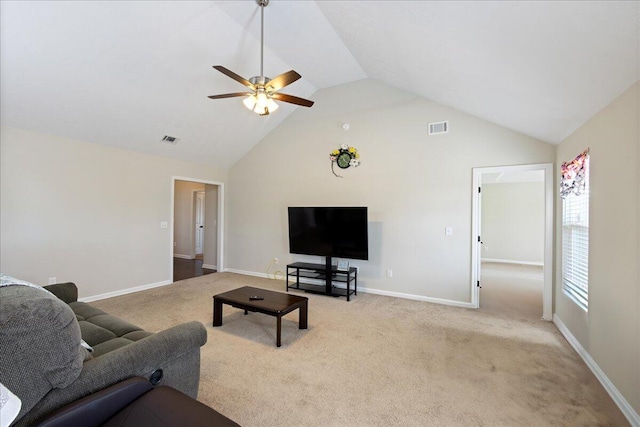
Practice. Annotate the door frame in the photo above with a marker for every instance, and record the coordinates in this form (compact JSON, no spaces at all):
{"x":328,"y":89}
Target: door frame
{"x":547,"y":291}
{"x":220,"y":244}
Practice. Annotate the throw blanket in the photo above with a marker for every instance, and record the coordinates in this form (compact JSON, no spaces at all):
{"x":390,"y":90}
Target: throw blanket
{"x":10,"y":405}
{"x":6,"y":280}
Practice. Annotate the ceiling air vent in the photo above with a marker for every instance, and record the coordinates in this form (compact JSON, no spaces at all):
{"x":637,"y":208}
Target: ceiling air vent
{"x":438,"y":127}
{"x":170,"y":139}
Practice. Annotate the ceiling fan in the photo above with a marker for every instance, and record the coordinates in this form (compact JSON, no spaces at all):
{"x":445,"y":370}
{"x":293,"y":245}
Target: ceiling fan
{"x":263,"y":89}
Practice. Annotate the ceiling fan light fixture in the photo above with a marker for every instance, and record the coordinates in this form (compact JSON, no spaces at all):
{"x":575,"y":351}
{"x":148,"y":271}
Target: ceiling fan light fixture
{"x":250,"y":102}
{"x":271,"y":105}
{"x":260,"y":103}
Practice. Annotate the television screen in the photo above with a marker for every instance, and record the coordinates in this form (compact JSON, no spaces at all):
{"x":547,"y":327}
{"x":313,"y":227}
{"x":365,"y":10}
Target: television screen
{"x":340,"y":232}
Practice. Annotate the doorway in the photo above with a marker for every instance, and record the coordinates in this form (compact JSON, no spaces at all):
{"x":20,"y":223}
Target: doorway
{"x":512,"y":257}
{"x":197,"y":221}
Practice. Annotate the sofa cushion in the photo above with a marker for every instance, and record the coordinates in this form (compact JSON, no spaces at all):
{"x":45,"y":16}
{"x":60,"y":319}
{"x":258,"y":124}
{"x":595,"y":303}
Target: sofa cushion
{"x":113,"y":324}
{"x":40,"y":341}
{"x":94,"y":334}
{"x":137,"y":335}
{"x":103,"y":331}
{"x":85,"y":310}
{"x":108,"y":346}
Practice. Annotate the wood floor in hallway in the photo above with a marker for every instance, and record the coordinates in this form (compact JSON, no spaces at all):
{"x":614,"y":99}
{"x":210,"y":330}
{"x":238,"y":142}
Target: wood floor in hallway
{"x":188,"y":268}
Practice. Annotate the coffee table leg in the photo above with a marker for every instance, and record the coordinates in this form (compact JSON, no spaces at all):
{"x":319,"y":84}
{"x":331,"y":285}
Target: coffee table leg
{"x":302,"y":321}
{"x":217,"y":312}
{"x":279,"y":335}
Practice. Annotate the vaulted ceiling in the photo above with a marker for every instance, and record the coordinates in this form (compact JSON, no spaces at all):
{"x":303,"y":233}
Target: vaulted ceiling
{"x":127,"y":73}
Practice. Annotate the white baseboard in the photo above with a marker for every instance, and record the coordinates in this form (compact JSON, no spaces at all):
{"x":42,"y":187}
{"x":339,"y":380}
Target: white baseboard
{"x":210,"y":266}
{"x":510,"y":261}
{"x":246,"y":273}
{"x":125,"y":291}
{"x":417,"y":297}
{"x":622,"y":403}
{"x":372,"y":291}
{"x":183,"y":256}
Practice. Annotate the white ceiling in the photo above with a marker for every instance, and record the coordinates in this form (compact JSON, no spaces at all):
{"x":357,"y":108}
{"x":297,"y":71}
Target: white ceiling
{"x":127,"y":73}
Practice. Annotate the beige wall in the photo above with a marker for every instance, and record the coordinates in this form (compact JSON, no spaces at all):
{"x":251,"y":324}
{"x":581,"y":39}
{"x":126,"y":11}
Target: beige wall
{"x":610,"y":331}
{"x":513,"y":221}
{"x":211,"y":225}
{"x":183,"y":217}
{"x":86,"y":213}
{"x":414,"y":185}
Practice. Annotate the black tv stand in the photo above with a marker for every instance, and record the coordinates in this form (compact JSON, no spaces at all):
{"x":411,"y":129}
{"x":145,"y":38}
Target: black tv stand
{"x":327,"y":273}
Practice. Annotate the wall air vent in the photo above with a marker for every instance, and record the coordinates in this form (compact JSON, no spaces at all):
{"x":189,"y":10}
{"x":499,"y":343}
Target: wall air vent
{"x":170,"y":139}
{"x":438,"y":127}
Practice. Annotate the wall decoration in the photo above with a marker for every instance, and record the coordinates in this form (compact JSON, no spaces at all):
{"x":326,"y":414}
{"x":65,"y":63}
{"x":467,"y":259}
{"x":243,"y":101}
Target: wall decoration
{"x":344,"y":157}
{"x":573,"y":173}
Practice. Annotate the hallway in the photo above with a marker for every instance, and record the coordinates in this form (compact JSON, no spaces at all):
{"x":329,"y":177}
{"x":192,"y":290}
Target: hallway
{"x":188,"y":268}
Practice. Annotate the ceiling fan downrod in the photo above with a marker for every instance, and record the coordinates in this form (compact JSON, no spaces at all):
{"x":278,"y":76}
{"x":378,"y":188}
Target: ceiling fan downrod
{"x":262,"y":4}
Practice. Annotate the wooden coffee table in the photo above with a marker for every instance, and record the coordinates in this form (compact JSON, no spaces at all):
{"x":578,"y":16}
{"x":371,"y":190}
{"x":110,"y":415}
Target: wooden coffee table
{"x":274,"y":304}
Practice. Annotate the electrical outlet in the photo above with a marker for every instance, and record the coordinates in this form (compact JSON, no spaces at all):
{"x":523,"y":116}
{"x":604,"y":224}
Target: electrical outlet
{"x":389,"y":273}
{"x":53,"y":280}
{"x":175,"y":244}
{"x":275,"y":260}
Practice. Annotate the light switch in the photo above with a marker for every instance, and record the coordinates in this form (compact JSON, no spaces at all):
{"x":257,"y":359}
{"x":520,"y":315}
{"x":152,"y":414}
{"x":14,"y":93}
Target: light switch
{"x":448,"y":231}
{"x":164,"y":224}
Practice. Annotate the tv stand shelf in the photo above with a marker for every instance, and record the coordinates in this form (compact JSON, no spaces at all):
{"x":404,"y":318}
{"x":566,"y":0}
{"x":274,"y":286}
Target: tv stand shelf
{"x":307,"y":270}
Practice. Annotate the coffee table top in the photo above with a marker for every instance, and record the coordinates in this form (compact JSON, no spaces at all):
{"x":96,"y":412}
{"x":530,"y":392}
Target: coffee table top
{"x":276,"y":302}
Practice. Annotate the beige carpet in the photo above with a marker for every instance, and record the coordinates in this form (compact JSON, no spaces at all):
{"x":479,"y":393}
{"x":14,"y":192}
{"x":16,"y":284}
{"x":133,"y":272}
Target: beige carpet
{"x":512,"y":290}
{"x":377,"y":361}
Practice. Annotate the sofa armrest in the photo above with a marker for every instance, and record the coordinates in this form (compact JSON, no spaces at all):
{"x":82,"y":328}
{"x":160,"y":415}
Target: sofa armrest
{"x":67,"y":292}
{"x":175,"y":350}
{"x":96,"y":408}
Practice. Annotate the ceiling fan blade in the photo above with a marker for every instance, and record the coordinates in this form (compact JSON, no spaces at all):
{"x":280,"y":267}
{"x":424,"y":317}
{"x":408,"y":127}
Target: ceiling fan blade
{"x":292,"y":99}
{"x":283,"y":80}
{"x":234,"y":76}
{"x":230,"y":95}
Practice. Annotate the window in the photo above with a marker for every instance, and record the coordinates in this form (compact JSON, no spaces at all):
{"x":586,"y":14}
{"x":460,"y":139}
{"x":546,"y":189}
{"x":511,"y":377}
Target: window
{"x":575,"y":229}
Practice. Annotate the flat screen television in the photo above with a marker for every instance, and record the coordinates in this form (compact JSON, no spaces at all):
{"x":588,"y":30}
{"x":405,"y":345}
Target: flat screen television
{"x":339,"y":232}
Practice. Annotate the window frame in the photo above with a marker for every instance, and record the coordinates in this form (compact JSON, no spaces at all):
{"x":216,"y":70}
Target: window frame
{"x":575,"y":244}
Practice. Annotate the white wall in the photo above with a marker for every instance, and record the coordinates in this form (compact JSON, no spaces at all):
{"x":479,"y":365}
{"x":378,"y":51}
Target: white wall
{"x":211,"y":225}
{"x":414,"y":185}
{"x":513,"y":221}
{"x":86,"y":213}
{"x":183,"y":218}
{"x":610,"y":331}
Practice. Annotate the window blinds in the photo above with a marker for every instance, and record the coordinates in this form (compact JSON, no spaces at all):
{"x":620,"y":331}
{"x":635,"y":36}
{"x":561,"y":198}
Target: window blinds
{"x":575,"y":240}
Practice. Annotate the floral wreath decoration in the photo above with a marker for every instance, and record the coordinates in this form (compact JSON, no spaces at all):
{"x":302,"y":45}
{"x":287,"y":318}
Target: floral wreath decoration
{"x":344,"y":157}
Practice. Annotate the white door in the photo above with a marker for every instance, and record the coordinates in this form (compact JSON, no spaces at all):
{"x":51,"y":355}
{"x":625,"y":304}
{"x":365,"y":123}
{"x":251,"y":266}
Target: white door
{"x":479,"y":244}
{"x":199,"y":213}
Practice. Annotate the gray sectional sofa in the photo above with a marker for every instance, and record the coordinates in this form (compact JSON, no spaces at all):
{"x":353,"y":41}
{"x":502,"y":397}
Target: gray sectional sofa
{"x":44,"y":362}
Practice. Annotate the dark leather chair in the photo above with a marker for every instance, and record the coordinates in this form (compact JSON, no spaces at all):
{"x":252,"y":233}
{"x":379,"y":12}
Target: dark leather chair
{"x":135,"y":402}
